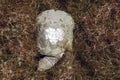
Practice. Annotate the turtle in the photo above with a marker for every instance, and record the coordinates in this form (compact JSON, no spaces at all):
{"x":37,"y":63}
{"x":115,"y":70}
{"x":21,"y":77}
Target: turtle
{"x":54,"y":36}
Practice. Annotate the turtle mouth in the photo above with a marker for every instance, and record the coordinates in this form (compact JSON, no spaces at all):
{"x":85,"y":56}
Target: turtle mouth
{"x":40,"y":56}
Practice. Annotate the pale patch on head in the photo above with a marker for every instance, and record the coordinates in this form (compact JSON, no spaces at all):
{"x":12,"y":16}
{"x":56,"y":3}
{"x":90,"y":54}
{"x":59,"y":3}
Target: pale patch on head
{"x":54,"y":35}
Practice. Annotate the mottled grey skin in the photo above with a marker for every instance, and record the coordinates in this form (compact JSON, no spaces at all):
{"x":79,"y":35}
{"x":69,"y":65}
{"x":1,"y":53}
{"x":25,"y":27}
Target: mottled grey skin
{"x":55,"y":35}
